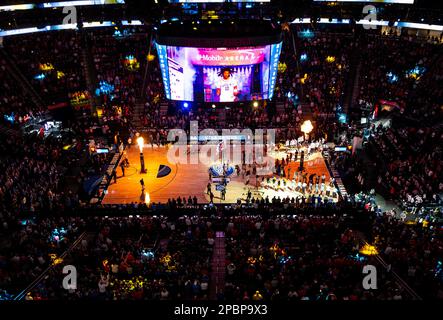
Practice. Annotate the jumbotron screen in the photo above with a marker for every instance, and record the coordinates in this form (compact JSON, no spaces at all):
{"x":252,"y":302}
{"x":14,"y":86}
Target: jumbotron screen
{"x":219,"y":74}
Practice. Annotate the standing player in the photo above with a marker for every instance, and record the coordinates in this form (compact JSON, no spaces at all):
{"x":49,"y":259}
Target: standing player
{"x":227,"y":88}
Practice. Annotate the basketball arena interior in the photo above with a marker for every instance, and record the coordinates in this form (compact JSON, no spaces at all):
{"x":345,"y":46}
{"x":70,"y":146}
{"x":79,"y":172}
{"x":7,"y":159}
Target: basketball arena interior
{"x":232,"y":152}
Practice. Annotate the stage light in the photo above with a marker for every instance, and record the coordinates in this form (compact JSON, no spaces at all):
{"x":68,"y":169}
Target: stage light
{"x":46,"y":67}
{"x":255,"y":104}
{"x":105,"y":88}
{"x":369,"y":250}
{"x":330,"y":59}
{"x":307,"y":127}
{"x":140,"y":142}
{"x":60,"y":74}
{"x":40,"y":76}
{"x":147,"y":198}
{"x":213,"y":106}
{"x":185,"y":105}
{"x":342,"y":118}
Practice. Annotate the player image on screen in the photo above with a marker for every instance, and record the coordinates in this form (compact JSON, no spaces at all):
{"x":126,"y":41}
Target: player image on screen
{"x":227,"y":87}
{"x":219,"y":74}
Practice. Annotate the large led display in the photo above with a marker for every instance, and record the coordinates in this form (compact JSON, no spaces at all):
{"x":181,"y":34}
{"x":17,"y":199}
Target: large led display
{"x":219,"y":74}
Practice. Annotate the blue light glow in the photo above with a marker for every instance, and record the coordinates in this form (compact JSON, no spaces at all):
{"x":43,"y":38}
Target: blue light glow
{"x":284,"y":260}
{"x":40,"y":76}
{"x":392,"y":78}
{"x":147,"y":254}
{"x":439,"y":271}
{"x":357,"y":257}
{"x":117,"y":34}
{"x":416,"y":72}
{"x":57,"y":235}
{"x":5,"y":296}
{"x":306,"y":34}
{"x":10,"y":118}
{"x":104,"y":88}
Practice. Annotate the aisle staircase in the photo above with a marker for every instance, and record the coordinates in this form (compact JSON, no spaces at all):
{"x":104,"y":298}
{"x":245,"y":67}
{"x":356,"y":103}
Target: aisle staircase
{"x":164,"y":106}
{"x":355,"y":89}
{"x":89,"y":70}
{"x":339,"y":182}
{"x":280,"y":107}
{"x":306,"y":111}
{"x":336,"y":175}
{"x":218,"y":266}
{"x":352,"y":85}
{"x":137,"y":116}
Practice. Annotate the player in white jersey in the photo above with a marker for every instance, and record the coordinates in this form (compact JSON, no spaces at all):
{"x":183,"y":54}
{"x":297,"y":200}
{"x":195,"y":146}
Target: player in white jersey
{"x":227,"y":87}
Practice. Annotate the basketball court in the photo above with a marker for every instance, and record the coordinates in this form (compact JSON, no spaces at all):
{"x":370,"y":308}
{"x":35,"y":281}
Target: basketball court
{"x":186,"y":180}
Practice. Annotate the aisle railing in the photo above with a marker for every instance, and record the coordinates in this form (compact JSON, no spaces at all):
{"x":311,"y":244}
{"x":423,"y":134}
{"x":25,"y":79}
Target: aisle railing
{"x":42,"y":276}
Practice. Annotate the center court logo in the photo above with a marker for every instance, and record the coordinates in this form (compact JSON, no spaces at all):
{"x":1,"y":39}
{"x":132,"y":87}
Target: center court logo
{"x":233,"y":147}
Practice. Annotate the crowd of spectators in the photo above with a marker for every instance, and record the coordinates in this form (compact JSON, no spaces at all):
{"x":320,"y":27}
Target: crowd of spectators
{"x":12,"y":101}
{"x":31,"y":175}
{"x":152,"y":258}
{"x":311,"y":253}
{"x":407,"y":73}
{"x":53,"y":67}
{"x":412,"y":250}
{"x":297,"y":258}
{"x":119,"y":63}
{"x":411,"y":163}
{"x":308,"y":255}
{"x":30,"y":245}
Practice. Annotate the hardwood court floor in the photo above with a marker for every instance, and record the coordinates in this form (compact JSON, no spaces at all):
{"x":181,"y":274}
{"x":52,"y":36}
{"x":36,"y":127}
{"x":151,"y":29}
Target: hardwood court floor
{"x":187,"y":180}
